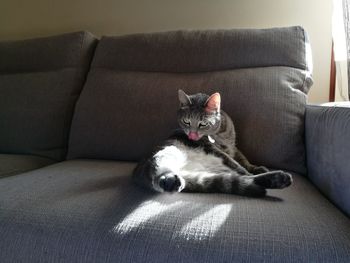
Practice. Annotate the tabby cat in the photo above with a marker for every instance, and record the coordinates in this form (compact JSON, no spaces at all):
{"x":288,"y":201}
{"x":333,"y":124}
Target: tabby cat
{"x":202,"y":156}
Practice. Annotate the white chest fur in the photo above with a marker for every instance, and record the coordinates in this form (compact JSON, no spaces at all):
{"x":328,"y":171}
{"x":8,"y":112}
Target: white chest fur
{"x":185,"y":161}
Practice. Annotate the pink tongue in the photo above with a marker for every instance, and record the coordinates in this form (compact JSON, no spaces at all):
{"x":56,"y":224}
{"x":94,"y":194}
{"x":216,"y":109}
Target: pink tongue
{"x":193,"y":136}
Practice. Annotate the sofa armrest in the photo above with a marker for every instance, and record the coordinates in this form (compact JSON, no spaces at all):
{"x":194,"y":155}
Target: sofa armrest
{"x":328,"y":151}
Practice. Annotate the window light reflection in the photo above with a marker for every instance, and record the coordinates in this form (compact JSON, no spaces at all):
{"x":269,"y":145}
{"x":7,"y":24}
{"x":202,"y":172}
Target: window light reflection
{"x":207,"y":224}
{"x":139,"y":217}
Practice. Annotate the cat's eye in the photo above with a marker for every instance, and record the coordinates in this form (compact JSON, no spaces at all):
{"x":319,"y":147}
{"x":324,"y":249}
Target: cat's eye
{"x":186,"y":122}
{"x":202,"y":124}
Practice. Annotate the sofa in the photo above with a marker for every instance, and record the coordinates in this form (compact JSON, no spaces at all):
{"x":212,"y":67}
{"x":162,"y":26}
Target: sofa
{"x":77,"y":113}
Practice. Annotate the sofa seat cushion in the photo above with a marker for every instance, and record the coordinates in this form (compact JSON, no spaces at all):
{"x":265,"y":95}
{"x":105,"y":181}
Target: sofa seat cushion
{"x":89,"y":211}
{"x":11,"y":164}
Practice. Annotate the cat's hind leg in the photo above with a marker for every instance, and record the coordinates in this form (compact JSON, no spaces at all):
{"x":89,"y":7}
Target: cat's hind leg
{"x":160,"y":171}
{"x":234,"y":183}
{"x":168,"y":163}
{"x":228,"y":182}
{"x":273,"y":179}
{"x":170,"y":182}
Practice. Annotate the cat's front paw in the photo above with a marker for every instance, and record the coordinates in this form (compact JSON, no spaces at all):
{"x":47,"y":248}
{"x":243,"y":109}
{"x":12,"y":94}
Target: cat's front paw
{"x":170,"y":182}
{"x":259,"y":170}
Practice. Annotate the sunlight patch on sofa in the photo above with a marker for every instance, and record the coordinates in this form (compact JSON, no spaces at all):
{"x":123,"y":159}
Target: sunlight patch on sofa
{"x":142,"y":214}
{"x":205,"y":225}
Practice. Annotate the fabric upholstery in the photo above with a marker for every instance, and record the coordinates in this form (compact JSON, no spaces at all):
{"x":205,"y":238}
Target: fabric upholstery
{"x":126,"y":108}
{"x":88,"y":211}
{"x":328,"y":151}
{"x":202,"y":51}
{"x":11,"y":164}
{"x":40,"y":81}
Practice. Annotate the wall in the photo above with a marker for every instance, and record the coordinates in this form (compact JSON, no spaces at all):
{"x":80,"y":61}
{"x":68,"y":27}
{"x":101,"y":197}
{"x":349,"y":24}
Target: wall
{"x":25,"y":19}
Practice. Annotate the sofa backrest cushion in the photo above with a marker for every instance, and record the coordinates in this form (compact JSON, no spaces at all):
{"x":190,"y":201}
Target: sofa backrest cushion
{"x":40,"y":81}
{"x":129,"y":102}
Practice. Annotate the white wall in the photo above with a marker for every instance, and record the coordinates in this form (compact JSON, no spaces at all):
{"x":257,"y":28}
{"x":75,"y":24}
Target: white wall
{"x":25,"y":19}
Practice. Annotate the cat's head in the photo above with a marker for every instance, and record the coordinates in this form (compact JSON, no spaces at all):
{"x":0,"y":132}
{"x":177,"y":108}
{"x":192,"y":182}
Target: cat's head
{"x":199,"y":114}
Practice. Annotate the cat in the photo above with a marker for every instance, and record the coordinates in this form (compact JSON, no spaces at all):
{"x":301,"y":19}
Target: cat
{"x":202,"y":155}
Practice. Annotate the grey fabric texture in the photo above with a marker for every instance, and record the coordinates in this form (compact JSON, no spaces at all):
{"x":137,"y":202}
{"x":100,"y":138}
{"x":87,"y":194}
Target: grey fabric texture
{"x":202,"y":51}
{"x":328,"y":151}
{"x":11,"y":164}
{"x":71,"y":50}
{"x":40,"y":81}
{"x":89,"y":211}
{"x":124,"y":111}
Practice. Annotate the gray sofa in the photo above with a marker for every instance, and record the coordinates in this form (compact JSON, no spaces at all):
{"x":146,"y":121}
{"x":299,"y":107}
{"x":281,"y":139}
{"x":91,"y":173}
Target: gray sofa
{"x":71,"y":133}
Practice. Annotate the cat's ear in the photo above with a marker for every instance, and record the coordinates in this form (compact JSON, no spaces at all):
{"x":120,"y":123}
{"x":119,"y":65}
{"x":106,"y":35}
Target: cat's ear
{"x":184,"y":99}
{"x":213,"y":103}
